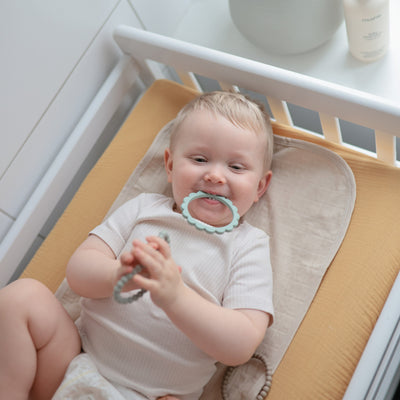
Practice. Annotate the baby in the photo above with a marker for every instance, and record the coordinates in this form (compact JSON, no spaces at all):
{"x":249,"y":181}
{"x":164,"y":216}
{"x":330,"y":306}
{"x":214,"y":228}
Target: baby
{"x":209,"y":295}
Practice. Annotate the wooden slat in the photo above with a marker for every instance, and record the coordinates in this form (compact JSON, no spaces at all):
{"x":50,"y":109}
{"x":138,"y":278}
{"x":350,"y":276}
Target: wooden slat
{"x":189,"y":79}
{"x":280,"y":111}
{"x":330,"y":128}
{"x":385,"y":147}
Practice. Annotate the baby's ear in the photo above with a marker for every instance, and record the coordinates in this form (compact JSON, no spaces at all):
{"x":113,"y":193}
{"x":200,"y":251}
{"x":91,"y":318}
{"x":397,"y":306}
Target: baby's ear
{"x":168,"y":163}
{"x":263,"y":185}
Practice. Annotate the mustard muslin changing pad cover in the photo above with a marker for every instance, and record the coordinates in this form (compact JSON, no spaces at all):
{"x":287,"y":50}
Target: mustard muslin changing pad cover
{"x":306,"y":212}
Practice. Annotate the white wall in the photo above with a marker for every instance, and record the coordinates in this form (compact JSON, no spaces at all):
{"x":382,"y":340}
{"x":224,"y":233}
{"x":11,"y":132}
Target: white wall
{"x":44,"y":47}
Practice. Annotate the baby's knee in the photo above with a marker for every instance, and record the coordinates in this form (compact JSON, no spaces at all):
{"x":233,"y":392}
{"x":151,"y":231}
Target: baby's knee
{"x":24,"y":292}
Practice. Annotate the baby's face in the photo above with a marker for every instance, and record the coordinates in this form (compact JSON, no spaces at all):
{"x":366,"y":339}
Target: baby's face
{"x":215,"y":156}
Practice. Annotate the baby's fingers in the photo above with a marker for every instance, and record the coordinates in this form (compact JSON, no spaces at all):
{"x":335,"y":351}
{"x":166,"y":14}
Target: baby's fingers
{"x":149,"y":258}
{"x":160,"y":244}
{"x":126,"y":258}
{"x":144,"y":282}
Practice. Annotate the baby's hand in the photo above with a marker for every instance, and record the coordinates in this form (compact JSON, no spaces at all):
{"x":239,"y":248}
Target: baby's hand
{"x":164,"y":280}
{"x":127,"y":264}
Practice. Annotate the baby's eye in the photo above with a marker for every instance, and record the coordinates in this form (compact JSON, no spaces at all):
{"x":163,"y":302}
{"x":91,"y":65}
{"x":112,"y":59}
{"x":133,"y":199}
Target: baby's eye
{"x":236,"y":167}
{"x":199,"y":159}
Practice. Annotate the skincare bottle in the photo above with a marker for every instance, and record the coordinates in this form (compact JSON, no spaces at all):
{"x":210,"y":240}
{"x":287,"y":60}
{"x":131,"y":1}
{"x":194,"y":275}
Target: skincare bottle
{"x":367,"y":25}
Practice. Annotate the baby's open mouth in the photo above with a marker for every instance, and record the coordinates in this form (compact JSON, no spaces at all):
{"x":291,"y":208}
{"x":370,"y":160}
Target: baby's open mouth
{"x":213,"y":196}
{"x":211,"y":200}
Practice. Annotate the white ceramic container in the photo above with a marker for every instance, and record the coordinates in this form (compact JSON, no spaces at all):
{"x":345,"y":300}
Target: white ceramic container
{"x":287,"y":26}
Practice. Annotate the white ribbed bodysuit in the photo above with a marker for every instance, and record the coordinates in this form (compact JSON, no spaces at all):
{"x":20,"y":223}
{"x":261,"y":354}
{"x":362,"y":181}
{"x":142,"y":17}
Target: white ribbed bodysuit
{"x":136,"y":345}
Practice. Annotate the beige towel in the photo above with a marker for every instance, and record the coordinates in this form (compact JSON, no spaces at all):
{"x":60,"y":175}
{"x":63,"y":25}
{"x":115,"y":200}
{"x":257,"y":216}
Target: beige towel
{"x":306,"y":212}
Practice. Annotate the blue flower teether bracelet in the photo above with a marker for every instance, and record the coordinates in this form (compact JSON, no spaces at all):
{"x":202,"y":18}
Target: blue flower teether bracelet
{"x":201,"y":225}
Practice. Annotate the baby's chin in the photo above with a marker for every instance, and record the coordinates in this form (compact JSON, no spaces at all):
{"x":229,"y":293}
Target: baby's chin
{"x":211,"y":217}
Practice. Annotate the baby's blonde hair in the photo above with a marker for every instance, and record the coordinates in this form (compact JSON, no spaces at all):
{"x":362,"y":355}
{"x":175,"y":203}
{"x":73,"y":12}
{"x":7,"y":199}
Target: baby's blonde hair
{"x":237,"y":108}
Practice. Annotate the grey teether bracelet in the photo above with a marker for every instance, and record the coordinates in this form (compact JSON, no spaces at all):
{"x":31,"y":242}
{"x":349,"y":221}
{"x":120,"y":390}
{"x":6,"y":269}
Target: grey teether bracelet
{"x":126,"y":278}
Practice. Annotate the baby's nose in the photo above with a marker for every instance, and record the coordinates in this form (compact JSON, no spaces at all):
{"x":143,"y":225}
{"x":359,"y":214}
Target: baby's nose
{"x":215,"y":176}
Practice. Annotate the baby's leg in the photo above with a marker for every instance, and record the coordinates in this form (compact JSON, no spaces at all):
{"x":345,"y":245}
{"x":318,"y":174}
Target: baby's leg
{"x":38,"y":341}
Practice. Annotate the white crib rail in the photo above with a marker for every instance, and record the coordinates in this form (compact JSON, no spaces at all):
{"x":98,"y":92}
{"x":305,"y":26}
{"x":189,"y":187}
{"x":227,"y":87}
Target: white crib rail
{"x":378,"y":371}
{"x":279,"y":86}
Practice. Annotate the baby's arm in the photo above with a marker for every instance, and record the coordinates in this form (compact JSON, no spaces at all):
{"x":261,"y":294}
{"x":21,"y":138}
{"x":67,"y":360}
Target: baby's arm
{"x":229,"y":336}
{"x":93,"y":269}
